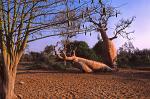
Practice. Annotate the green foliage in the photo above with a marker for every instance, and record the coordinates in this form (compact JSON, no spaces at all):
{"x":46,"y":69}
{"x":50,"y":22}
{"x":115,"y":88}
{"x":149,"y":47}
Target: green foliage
{"x":82,"y":50}
{"x":127,"y":56}
{"x":49,"y":50}
{"x":44,"y":60}
{"x":60,"y":65}
{"x":123,"y":58}
{"x":134,"y":58}
{"x":26,"y":58}
{"x":99,"y":49}
{"x":49,"y":62}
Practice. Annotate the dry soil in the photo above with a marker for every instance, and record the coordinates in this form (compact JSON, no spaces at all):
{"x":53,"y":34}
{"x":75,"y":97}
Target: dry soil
{"x":125,"y":84}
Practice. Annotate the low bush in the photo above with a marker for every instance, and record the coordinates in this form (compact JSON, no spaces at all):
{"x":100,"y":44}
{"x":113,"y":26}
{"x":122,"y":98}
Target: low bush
{"x":134,"y":58}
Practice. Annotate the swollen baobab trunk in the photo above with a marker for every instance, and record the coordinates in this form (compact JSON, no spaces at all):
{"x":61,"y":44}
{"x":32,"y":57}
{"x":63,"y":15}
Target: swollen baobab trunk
{"x":104,"y":13}
{"x":87,"y":65}
{"x":110,"y":49}
{"x":110,"y":53}
{"x":90,"y":65}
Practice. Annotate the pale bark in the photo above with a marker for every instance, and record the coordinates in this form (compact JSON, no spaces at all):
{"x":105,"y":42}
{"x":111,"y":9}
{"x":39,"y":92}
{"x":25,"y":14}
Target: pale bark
{"x":104,"y":13}
{"x":7,"y":81}
{"x":110,"y":49}
{"x":87,"y":65}
{"x":8,"y":72}
{"x":7,"y":86}
{"x":110,"y":53}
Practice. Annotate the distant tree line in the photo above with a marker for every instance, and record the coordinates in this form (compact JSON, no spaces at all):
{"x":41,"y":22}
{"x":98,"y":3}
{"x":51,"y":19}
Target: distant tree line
{"x":48,"y":59}
{"x":127,"y":56}
{"x":134,"y":58}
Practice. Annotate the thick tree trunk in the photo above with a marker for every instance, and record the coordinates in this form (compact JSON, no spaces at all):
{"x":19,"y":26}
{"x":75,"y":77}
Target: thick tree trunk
{"x":90,"y":65}
{"x":8,"y":75}
{"x":87,"y":65}
{"x":110,"y":49}
{"x":110,"y":53}
{"x":7,"y":82}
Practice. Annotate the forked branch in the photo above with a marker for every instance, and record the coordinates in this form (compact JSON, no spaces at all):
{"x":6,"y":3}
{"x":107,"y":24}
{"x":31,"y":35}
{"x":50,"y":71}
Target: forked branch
{"x":121,"y":28}
{"x":87,"y":65}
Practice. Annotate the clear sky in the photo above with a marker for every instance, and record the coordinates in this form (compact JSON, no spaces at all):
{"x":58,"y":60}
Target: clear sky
{"x":128,"y":8}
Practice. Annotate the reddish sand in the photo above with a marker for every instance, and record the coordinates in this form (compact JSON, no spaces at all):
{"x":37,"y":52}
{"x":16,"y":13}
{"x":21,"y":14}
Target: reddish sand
{"x":38,"y":84}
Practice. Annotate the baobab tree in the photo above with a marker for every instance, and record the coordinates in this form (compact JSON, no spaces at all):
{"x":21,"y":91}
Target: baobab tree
{"x":102,"y":14}
{"x":22,"y":21}
{"x":87,"y":65}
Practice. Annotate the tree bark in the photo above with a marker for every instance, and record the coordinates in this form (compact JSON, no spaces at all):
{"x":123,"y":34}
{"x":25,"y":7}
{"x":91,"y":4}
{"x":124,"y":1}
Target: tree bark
{"x":90,"y":65}
{"x":87,"y":65}
{"x":8,"y":75}
{"x":7,"y":82}
{"x":110,"y":52}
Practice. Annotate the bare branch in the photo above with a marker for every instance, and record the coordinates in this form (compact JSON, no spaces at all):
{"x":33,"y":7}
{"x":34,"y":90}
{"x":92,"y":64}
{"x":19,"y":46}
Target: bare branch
{"x":121,"y":27}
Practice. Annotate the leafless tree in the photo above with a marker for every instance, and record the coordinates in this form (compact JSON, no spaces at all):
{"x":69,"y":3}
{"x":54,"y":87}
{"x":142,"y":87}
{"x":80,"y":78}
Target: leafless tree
{"x":100,"y":19}
{"x":23,"y":21}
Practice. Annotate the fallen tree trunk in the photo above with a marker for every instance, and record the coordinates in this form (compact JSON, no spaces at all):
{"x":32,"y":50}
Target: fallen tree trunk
{"x":90,"y":65}
{"x":87,"y":65}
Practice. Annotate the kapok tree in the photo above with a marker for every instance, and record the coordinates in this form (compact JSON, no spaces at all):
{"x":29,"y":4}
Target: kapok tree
{"x":100,"y":18}
{"x":20,"y":20}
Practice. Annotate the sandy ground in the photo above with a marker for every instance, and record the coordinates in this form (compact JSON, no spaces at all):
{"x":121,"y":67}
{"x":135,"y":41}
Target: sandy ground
{"x":125,"y":84}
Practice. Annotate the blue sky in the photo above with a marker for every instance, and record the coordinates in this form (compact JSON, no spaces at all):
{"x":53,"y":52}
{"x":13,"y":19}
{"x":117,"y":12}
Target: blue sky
{"x":128,"y":8}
